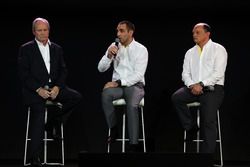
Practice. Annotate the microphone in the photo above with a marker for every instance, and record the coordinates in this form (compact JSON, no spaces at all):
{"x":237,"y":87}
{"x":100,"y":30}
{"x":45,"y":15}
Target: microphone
{"x":209,"y":88}
{"x":117,"y":40}
{"x":46,"y":87}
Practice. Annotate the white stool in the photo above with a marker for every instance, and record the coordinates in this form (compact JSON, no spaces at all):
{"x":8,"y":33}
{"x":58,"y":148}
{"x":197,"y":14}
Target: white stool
{"x":122,"y":102}
{"x":48,"y":103}
{"x":198,"y":140}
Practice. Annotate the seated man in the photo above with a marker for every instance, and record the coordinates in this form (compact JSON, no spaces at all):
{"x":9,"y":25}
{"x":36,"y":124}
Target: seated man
{"x":42,"y":71}
{"x":203,"y":75}
{"x":129,"y":60}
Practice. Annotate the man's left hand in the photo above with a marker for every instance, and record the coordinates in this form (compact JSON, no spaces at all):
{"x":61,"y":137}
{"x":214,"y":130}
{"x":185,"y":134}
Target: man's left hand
{"x":54,"y":92}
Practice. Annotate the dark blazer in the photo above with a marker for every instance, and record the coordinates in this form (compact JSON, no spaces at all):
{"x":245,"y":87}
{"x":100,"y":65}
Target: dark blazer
{"x":33,"y":72}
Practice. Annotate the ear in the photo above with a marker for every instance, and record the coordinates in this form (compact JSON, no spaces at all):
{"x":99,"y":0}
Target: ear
{"x":131,"y":33}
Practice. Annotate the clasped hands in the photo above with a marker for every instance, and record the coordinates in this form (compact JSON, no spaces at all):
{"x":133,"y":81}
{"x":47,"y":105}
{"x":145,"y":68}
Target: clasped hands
{"x":196,"y":89}
{"x":51,"y":93}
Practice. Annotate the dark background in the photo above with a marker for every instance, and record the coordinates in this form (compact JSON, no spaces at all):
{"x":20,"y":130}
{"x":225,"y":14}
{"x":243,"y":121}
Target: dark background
{"x":86,"y":29}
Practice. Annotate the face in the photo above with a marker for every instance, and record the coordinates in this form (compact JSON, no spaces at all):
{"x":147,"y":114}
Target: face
{"x":200,"y":36}
{"x":41,"y":32}
{"x":124,"y":34}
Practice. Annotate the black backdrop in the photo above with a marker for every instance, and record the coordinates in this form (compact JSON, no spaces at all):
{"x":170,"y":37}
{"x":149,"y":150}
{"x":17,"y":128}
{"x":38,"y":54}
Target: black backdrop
{"x":85,"y":30}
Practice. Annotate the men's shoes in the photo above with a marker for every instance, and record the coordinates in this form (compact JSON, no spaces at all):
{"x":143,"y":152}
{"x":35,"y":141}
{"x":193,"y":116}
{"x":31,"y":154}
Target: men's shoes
{"x":191,"y":134}
{"x":35,"y":162}
{"x":113,"y":135}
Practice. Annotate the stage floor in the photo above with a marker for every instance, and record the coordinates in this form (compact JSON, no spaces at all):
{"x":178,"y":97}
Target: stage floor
{"x":86,"y":159}
{"x":75,"y":164}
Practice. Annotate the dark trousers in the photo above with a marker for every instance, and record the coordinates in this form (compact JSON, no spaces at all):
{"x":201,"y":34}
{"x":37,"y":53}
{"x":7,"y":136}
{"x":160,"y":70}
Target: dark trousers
{"x":210,"y":102}
{"x":69,"y":98}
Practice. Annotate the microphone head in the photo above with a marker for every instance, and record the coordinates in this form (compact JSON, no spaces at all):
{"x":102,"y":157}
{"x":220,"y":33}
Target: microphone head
{"x":117,"y":40}
{"x":46,"y":87}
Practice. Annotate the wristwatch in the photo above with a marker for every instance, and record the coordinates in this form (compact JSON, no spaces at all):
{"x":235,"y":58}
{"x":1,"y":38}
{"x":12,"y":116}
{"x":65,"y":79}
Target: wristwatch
{"x":119,"y":82}
{"x":202,"y":84}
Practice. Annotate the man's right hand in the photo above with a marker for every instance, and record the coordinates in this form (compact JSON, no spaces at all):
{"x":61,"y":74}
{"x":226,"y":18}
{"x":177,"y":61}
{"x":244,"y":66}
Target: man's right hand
{"x":43,"y":93}
{"x":112,"y":84}
{"x":112,"y":51}
{"x":196,"y":89}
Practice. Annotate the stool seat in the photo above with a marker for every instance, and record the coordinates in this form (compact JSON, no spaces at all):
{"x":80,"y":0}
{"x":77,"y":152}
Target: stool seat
{"x":120,"y":102}
{"x":53,"y":103}
{"x":194,"y":104}
{"x":123,"y":139}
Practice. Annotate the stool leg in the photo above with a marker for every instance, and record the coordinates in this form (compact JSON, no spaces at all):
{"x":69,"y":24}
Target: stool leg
{"x":143,"y":130}
{"x":184,"y":143}
{"x":198,"y":132}
{"x":45,"y":137}
{"x":62,"y":136}
{"x":26,"y":138}
{"x":109,"y":132}
{"x":123,"y":131}
{"x":220,"y":142}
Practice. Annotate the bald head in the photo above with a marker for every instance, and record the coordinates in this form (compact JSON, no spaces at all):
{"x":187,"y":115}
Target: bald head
{"x":201,"y":34}
{"x":205,"y":26}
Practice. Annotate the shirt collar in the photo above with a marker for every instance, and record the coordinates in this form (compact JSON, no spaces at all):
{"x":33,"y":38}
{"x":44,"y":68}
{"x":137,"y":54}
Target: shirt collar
{"x":41,"y":44}
{"x":131,"y":44}
{"x":206,"y":45}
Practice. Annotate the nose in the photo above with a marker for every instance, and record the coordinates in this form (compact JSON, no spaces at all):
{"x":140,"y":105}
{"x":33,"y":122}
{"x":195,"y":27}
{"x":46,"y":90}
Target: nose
{"x":118,"y":34}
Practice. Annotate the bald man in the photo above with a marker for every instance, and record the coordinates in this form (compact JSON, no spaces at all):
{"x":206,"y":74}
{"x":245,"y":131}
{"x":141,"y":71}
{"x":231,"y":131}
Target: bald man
{"x":203,"y":76}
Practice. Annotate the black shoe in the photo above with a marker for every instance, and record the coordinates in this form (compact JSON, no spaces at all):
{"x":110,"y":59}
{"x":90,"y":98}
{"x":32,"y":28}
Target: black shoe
{"x":113,"y":135}
{"x":191,"y":134}
{"x":35,"y":162}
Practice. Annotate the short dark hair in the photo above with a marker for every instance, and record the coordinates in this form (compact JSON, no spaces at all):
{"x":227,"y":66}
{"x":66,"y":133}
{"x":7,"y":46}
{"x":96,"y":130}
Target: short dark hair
{"x":207,"y":27}
{"x":129,"y":25}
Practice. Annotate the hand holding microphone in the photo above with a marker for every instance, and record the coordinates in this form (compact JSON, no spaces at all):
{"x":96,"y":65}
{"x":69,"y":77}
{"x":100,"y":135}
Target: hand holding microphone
{"x":112,"y":51}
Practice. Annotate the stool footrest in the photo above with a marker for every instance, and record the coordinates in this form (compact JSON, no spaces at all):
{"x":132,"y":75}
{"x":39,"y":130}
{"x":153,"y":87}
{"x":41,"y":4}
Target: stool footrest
{"x":128,"y":139}
{"x":46,"y":139}
{"x":50,"y":163}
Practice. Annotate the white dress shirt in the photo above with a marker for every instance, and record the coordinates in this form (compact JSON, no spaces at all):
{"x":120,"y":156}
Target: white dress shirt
{"x":44,"y":49}
{"x":129,"y":64}
{"x":208,"y":67}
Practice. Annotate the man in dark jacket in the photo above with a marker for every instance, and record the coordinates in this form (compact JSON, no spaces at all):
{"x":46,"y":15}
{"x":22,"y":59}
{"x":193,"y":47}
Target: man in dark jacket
{"x":43,"y":72}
